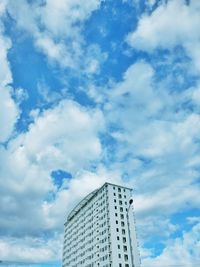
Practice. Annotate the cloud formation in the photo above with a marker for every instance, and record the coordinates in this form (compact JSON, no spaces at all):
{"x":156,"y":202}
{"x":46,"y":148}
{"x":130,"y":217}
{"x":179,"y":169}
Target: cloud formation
{"x":164,"y":29}
{"x":135,"y":122}
{"x":8,"y":109}
{"x":56,"y":28}
{"x":184,"y":250}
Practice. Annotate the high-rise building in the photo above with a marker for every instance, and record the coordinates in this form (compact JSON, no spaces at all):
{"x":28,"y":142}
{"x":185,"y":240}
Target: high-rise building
{"x":100,"y":230}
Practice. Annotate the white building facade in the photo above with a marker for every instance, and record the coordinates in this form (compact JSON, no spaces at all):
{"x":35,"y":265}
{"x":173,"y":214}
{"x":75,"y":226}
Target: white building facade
{"x":100,"y":230}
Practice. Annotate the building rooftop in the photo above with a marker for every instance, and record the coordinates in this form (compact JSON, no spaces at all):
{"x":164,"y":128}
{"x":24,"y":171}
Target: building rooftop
{"x":83,"y":202}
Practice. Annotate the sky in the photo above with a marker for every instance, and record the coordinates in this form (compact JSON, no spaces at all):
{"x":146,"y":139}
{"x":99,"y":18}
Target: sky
{"x":99,"y":91}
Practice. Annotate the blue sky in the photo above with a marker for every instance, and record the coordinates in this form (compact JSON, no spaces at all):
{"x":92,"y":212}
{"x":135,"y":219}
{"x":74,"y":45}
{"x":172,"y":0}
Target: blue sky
{"x":99,"y":91}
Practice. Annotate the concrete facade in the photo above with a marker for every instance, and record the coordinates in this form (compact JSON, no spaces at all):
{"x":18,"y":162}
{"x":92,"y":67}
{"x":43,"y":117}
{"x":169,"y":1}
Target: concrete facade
{"x":100,"y":230}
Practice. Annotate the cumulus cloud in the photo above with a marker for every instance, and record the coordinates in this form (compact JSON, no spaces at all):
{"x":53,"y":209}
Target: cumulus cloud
{"x":156,"y":137}
{"x":8,"y":114}
{"x":183,"y":250}
{"x":66,"y":13}
{"x":30,"y":250}
{"x":68,"y":137}
{"x":57,"y":30}
{"x":136,"y":93}
{"x":5,"y":75}
{"x":74,"y":190}
{"x":36,"y":244}
{"x":154,"y":229}
{"x":156,"y":145}
{"x":164,"y":29}
{"x":169,"y":200}
{"x":166,"y":139}
{"x":65,"y":137}
{"x":8,"y":109}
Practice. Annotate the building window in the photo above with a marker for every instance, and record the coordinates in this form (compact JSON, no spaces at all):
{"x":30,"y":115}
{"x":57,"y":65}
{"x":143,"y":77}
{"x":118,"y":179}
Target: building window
{"x":119,"y":256}
{"x":119,"y":189}
{"x":118,"y":246}
{"x":120,"y":196}
{"x":117,"y":229}
{"x":124,"y":239}
{"x":123,"y":231}
{"x":122,"y":216}
{"x":121,"y":209}
{"x":116,"y":222}
{"x":122,"y":223}
{"x":115,"y":207}
{"x":117,"y":237}
{"x":125,"y":248}
{"x":126,"y":257}
{"x":120,"y":202}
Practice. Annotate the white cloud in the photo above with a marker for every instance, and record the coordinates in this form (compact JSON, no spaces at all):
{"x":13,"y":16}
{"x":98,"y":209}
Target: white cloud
{"x":164,"y":29}
{"x":135,"y":91}
{"x":166,"y":201}
{"x":193,"y":220}
{"x":157,"y":149}
{"x":67,"y":137}
{"x":64,"y":137}
{"x":148,"y":4}
{"x":192,"y":95}
{"x":20,"y":95}
{"x":5,"y":74}
{"x":8,"y":114}
{"x":152,"y":228}
{"x":56,"y":28}
{"x":66,"y":13}
{"x":27,"y":243}
{"x":77,"y":188}
{"x":155,"y":143}
{"x":180,"y":251}
{"x":137,"y":94}
{"x":3,"y":4}
{"x":31,"y":250}
{"x":8,"y":109}
{"x":49,"y":95}
{"x":55,"y":51}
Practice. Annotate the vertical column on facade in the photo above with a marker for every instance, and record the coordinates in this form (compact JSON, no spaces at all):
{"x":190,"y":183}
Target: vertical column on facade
{"x":108,"y":228}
